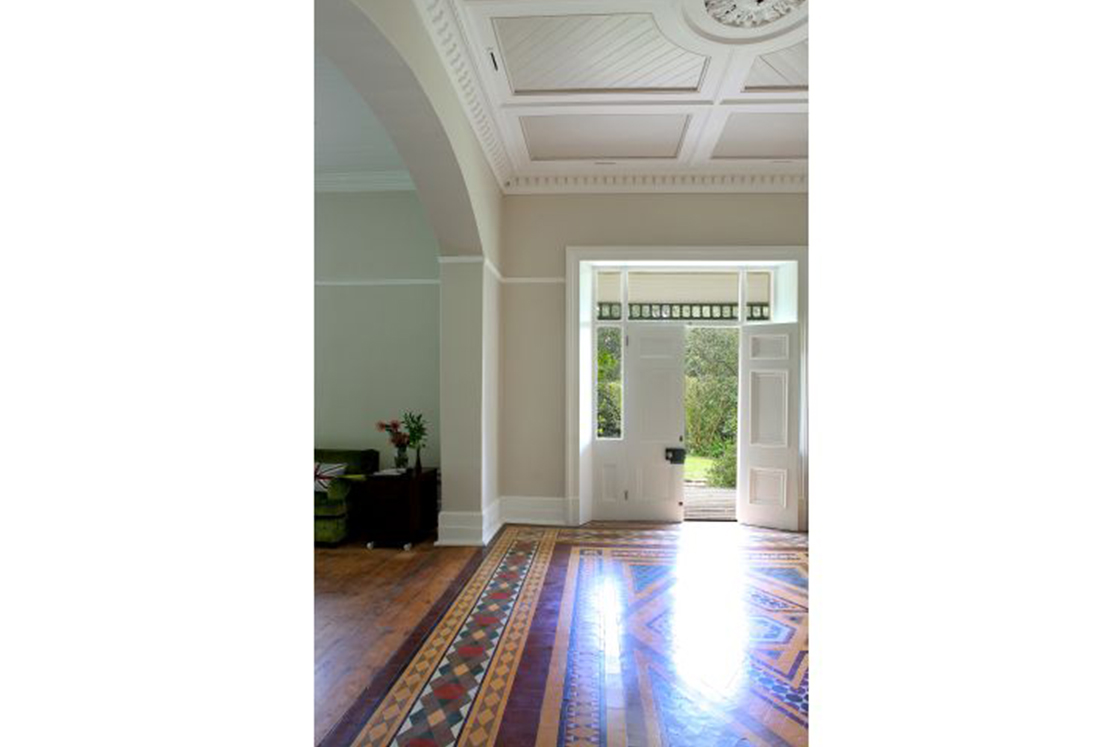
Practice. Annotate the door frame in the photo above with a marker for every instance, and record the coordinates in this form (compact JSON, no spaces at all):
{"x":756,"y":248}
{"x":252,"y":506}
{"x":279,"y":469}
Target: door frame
{"x":579,"y":325}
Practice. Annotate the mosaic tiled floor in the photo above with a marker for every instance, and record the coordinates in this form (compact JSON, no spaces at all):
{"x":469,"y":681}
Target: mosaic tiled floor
{"x":612,"y":634}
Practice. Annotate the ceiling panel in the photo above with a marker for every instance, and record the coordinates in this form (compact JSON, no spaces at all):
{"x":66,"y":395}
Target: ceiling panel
{"x":588,"y":53}
{"x":621,"y":96}
{"x":748,"y":135}
{"x":599,"y":136}
{"x":785,"y":68}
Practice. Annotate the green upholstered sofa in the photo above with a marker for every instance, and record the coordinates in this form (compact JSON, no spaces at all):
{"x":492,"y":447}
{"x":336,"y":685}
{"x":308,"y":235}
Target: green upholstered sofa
{"x":332,"y":507}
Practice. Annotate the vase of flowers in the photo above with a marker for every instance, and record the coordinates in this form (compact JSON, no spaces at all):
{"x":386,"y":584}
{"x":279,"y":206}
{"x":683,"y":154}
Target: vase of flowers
{"x":399,"y":438}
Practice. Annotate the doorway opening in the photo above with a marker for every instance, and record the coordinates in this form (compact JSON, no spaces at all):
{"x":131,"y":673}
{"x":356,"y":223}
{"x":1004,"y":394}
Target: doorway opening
{"x":711,"y":407}
{"x":683,"y":386}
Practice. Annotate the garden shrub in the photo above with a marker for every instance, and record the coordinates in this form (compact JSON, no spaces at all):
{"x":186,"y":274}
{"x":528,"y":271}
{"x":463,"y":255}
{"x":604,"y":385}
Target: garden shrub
{"x":711,"y":395}
{"x":609,"y":390}
{"x":723,"y":471}
{"x":610,"y":409}
{"x":711,"y":409}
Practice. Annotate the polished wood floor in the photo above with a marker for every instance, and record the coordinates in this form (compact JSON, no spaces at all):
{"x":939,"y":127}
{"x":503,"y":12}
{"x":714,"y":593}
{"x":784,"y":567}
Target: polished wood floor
{"x":612,"y":633}
{"x":368,"y":603}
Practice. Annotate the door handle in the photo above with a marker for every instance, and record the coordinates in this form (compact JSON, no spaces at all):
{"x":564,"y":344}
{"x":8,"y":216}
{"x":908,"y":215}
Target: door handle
{"x":674,"y":455}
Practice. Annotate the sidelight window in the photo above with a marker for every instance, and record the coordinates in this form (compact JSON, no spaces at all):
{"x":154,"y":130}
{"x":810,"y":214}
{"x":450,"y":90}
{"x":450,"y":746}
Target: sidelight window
{"x":608,"y":389}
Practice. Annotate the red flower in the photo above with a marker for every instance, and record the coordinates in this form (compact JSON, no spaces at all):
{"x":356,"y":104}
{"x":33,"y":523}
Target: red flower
{"x":397,"y":436}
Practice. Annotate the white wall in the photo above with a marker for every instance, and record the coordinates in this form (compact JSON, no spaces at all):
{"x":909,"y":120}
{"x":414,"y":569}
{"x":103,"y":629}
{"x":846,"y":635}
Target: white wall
{"x":491,"y":401}
{"x":536,"y":230}
{"x":376,"y":346}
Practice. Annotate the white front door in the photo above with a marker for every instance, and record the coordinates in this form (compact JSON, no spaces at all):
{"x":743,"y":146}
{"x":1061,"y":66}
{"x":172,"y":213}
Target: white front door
{"x":769,"y":384}
{"x":653,"y":421}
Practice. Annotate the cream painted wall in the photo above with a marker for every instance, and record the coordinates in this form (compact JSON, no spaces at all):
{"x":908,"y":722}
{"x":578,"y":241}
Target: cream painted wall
{"x":533,"y":404}
{"x":536,"y":230}
{"x":376,"y":346}
{"x":460,"y":381}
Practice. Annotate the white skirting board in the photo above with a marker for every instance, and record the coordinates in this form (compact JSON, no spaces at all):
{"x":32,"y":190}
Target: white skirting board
{"x":476,"y":528}
{"x":460,"y":528}
{"x":517,"y":509}
{"x":491,"y":520}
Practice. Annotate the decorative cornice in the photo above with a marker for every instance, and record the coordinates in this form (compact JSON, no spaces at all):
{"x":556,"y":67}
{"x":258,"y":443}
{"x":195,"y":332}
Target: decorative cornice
{"x":446,"y":29}
{"x":442,"y":19}
{"x":364,"y":181}
{"x":602,"y":183}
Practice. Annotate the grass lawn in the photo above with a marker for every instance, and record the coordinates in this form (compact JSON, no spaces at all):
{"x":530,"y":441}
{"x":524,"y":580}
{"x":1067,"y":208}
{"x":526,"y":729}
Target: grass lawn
{"x":696,"y":467}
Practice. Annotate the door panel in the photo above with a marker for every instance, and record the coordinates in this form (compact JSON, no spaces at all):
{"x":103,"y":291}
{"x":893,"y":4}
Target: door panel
{"x":653,"y":420}
{"x":768,"y":409}
{"x":768,"y":421}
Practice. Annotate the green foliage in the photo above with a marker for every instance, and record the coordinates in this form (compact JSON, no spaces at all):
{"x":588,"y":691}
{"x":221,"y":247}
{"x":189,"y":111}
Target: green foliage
{"x":711,"y":395}
{"x":609,"y":389}
{"x":711,"y":352}
{"x":724,"y":469}
{"x":610,"y":409}
{"x":610,"y":353}
{"x":711,"y":407}
{"x":711,"y":399}
{"x":416,"y":429}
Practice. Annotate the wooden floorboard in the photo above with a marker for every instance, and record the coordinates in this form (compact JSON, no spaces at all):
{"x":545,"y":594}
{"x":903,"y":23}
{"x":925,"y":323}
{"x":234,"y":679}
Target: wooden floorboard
{"x":611,"y":633}
{"x":367,"y":604}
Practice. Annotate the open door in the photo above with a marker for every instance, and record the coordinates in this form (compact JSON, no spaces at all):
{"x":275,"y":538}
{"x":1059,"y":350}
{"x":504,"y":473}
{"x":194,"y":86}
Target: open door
{"x":769,"y":385}
{"x":654,"y":422}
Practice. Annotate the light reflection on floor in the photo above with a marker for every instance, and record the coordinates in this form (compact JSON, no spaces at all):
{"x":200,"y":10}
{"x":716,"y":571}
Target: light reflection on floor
{"x":618,"y":635}
{"x":703,"y":638}
{"x":709,"y":625}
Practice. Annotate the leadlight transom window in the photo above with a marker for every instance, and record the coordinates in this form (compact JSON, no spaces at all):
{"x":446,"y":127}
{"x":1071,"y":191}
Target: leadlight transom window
{"x":683,"y":310}
{"x":665,"y":296}
{"x":760,"y":311}
{"x":608,"y":312}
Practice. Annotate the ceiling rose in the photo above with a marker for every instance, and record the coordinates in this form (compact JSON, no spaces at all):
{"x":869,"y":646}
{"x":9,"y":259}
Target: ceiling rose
{"x":750,"y":14}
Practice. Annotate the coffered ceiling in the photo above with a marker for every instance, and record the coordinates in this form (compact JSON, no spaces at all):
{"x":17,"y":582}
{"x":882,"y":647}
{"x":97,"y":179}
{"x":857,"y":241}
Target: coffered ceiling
{"x":632,"y":95}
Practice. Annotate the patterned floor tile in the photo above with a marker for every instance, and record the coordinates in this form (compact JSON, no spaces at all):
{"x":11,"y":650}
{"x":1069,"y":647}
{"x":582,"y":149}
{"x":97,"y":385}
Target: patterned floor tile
{"x":614,"y":634}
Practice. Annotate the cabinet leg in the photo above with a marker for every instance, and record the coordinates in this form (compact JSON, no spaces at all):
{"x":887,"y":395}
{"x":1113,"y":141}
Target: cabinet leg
{"x":407,"y":546}
{"x":370,"y":545}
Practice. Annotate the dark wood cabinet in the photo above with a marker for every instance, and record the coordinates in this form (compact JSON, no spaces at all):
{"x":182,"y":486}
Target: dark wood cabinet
{"x":397,"y":510}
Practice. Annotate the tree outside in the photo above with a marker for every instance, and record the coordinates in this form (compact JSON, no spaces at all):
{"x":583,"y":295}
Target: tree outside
{"x":711,"y":402}
{"x":609,"y":390}
{"x":711,"y":399}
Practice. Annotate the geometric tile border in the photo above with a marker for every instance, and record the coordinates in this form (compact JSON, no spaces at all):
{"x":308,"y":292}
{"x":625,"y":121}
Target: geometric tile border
{"x":455,"y":688}
{"x":430,"y":702}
